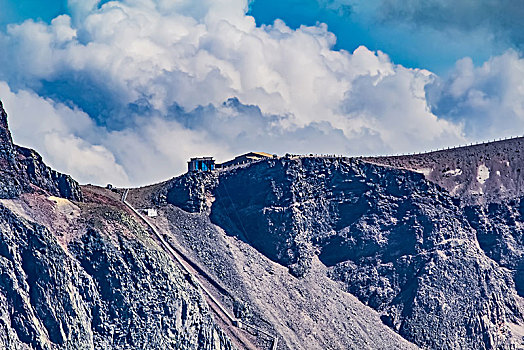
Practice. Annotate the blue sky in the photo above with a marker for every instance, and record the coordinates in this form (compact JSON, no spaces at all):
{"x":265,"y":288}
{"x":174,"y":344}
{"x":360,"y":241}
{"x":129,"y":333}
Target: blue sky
{"x":18,"y":11}
{"x":354,"y":22}
{"x":358,"y":23}
{"x":126,"y":91}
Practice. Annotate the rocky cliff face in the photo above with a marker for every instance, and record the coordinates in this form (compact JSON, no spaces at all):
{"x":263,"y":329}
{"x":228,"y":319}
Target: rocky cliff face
{"x":22,"y":170}
{"x":90,"y":277}
{"x":500,"y":232}
{"x":398,"y":242}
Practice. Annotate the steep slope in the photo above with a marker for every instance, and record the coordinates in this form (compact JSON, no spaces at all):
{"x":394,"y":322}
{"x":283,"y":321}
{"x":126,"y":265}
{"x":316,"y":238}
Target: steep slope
{"x":313,"y":312}
{"x":399,"y":243}
{"x":78,"y":270}
{"x":88,"y":276}
{"x":478,"y":174}
{"x":488,"y":180}
{"x":22,"y":170}
{"x":500,"y":232}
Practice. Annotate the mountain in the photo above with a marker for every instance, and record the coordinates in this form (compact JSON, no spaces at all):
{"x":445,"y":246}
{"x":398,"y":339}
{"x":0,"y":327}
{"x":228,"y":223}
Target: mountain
{"x":477,"y":174}
{"x":398,"y":242}
{"x":80,"y":271}
{"x":295,"y":252}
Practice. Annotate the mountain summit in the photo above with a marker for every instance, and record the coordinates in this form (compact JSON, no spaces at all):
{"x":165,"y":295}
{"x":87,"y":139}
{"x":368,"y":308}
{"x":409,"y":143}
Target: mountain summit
{"x":277,"y":253}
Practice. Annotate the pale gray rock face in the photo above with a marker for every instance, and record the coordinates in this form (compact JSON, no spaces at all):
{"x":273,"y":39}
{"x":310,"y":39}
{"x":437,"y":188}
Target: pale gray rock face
{"x":398,"y":242}
{"x":478,"y":174}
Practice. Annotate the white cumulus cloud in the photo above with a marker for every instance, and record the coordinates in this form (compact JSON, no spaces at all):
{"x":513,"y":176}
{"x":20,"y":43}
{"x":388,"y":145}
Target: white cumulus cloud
{"x":488,"y":99}
{"x":140,"y":86}
{"x":60,"y":134}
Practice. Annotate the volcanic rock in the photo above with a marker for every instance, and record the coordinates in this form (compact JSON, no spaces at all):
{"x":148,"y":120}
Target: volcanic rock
{"x":22,"y":170}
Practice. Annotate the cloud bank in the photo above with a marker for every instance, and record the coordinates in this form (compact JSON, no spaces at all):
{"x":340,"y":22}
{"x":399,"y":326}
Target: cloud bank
{"x":126,"y":92}
{"x":488,"y":100}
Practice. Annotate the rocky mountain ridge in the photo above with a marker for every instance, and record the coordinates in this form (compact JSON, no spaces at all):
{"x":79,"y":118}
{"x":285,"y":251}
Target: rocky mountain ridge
{"x":400,"y":243}
{"x":484,"y":173}
{"x":78,"y":270}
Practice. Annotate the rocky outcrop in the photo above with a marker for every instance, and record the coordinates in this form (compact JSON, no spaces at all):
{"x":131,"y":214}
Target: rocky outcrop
{"x":478,"y":174}
{"x":109,"y":287}
{"x":10,"y":185}
{"x":191,"y":191}
{"x":7,"y":150}
{"x":398,"y":242}
{"x":38,"y":174}
{"x":22,"y":170}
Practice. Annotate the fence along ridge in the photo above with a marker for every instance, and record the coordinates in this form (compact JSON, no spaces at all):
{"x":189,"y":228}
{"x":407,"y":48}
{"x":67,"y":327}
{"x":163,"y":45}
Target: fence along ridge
{"x":472,"y":144}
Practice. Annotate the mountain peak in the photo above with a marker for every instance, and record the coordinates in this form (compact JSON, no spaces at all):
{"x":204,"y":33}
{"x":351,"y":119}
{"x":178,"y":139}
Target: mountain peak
{"x":7,"y":151}
{"x":22,"y":169}
{"x":3,"y":119}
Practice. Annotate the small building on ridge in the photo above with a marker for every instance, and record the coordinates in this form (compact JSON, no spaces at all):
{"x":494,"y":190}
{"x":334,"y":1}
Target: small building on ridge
{"x":201,"y":164}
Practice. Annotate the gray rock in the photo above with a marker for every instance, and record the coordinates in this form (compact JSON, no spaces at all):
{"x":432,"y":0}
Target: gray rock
{"x":479,"y":174}
{"x":500,"y":233}
{"x":104,"y":290}
{"x":398,"y":242}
